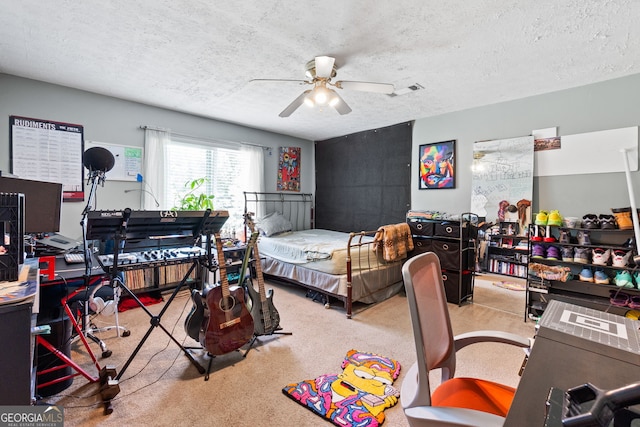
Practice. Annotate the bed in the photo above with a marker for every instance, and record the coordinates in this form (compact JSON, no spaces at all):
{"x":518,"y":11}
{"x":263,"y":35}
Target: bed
{"x":351,"y":267}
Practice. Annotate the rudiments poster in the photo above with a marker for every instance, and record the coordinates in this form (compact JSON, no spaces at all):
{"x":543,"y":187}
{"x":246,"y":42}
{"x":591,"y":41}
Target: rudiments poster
{"x":45,"y":150}
{"x":289,"y":169}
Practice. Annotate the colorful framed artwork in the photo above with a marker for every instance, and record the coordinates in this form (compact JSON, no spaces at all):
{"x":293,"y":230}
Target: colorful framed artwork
{"x":288,"y":169}
{"x":437,"y":165}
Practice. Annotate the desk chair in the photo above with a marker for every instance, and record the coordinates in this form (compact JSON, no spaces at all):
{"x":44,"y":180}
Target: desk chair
{"x":457,"y":401}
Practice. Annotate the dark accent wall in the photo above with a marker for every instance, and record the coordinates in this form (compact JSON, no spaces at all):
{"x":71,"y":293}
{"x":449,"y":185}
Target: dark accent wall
{"x":363,"y":180}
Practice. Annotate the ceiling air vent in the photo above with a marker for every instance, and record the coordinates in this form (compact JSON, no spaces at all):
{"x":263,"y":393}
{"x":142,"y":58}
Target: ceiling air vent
{"x":406,"y":90}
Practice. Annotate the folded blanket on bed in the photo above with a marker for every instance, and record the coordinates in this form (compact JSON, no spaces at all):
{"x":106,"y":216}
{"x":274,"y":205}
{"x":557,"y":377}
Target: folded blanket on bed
{"x":393,"y":241}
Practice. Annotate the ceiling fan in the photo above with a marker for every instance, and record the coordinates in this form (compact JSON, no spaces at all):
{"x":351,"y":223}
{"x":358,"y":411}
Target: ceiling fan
{"x":320,"y":71}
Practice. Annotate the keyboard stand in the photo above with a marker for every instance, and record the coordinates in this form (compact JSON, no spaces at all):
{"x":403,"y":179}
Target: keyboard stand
{"x":143,"y":227}
{"x":155,"y":321}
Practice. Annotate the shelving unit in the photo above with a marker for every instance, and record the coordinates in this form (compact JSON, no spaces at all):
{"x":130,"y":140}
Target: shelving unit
{"x":158,"y":278}
{"x":167,"y":277}
{"x":506,"y":253}
{"x":540,"y":290}
{"x":454,"y":241}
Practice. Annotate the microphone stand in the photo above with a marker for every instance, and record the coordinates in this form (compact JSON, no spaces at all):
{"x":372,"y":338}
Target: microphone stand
{"x":96,"y":177}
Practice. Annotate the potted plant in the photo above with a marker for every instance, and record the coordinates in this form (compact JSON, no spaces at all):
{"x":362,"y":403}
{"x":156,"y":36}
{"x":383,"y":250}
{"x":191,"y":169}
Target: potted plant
{"x":194,"y":199}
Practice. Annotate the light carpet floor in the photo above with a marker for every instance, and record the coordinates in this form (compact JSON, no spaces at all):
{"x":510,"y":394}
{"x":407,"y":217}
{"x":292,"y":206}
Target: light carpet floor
{"x":161,"y":387}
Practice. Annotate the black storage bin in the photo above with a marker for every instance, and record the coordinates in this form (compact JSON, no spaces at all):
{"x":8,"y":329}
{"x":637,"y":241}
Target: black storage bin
{"x":448,"y":252}
{"x":421,"y":227}
{"x":447,"y":229}
{"x":457,"y":291}
{"x":454,"y":230}
{"x":420,"y":246}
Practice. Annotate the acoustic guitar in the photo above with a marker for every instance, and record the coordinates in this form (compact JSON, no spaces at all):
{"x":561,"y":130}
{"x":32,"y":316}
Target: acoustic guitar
{"x":266,"y":318}
{"x":229,"y":324}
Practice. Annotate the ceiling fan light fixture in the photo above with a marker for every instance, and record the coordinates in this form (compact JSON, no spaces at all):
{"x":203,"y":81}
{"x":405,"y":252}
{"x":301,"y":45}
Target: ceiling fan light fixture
{"x":320,"y":71}
{"x":321,"y":95}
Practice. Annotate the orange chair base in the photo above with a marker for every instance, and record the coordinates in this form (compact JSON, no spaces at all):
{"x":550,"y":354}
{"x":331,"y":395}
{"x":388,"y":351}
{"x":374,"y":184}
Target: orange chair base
{"x":471,"y":393}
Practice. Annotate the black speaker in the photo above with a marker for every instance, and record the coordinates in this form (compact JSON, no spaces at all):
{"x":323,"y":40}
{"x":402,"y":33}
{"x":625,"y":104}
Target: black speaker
{"x":60,"y":338}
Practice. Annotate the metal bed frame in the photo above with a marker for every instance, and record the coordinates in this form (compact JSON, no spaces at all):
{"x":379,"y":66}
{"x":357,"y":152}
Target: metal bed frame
{"x":361,"y":261}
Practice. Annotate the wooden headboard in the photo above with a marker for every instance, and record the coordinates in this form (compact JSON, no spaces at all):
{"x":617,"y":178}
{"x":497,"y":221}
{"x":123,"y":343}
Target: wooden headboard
{"x":296,"y":207}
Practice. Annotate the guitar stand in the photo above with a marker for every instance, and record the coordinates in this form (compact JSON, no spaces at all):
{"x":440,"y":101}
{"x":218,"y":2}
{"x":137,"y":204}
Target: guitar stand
{"x":256,"y":336}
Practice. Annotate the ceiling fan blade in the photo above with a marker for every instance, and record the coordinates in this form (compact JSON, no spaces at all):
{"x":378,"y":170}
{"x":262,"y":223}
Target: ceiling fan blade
{"x":294,"y":105}
{"x":341,"y":106}
{"x":280,"y":80}
{"x":386,"y":88}
{"x":324,"y":66}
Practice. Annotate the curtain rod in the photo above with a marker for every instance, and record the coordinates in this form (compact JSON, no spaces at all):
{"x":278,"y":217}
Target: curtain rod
{"x":204,"y":138}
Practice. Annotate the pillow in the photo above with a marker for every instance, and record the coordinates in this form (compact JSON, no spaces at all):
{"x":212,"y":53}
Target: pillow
{"x":273,"y":223}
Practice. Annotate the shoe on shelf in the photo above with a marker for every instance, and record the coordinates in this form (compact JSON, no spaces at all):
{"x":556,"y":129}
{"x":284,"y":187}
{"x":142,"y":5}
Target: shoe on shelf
{"x":607,"y":222}
{"x":630,"y":243}
{"x":586,"y":275}
{"x":601,"y":277}
{"x":581,"y":255}
{"x":634,"y":301}
{"x":541,"y":218}
{"x":571,"y":222}
{"x":590,"y":221}
{"x":620,"y":258}
{"x":600,"y":256}
{"x":554,"y":218}
{"x":538,"y":234}
{"x":584,"y":238}
{"x":538,"y":251}
{"x":565,"y":237}
{"x":636,"y":278}
{"x":623,"y":279}
{"x":567,"y":253}
{"x":617,"y":298}
{"x":553,"y":253}
{"x":623,"y":218}
{"x":549,"y":239}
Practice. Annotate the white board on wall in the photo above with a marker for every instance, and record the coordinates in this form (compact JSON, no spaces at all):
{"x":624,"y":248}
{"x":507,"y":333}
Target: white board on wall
{"x":587,"y":153}
{"x":128,"y":160}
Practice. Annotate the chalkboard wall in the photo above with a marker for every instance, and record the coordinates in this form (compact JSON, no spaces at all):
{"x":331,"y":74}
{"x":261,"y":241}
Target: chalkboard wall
{"x":363,"y":180}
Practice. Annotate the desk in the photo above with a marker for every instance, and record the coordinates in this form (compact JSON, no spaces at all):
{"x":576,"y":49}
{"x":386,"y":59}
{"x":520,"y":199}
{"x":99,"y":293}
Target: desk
{"x":575,"y":345}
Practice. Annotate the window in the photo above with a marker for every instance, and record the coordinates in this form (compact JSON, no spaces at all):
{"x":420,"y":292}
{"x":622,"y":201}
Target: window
{"x":223,"y":164}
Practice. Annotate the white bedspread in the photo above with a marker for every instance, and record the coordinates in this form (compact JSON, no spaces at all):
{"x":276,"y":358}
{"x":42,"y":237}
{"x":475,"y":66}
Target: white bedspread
{"x":317,"y":249}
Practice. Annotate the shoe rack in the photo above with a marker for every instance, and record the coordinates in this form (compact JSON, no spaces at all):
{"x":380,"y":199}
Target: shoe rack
{"x":552,"y":274}
{"x":507,"y":252}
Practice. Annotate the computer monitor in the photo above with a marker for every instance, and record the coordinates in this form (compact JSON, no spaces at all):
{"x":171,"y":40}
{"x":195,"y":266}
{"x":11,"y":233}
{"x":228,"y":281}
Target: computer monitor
{"x":42,"y":200}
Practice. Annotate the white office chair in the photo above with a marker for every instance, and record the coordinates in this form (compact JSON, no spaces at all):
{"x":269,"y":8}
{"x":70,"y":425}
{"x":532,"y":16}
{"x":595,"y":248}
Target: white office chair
{"x":457,"y":401}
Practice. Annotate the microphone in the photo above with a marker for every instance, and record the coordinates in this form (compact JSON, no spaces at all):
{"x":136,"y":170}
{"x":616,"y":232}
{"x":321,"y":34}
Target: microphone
{"x":98,"y":159}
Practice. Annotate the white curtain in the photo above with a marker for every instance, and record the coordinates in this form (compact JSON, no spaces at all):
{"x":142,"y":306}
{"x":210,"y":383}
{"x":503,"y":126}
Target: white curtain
{"x":155,"y":142}
{"x":253,"y":179}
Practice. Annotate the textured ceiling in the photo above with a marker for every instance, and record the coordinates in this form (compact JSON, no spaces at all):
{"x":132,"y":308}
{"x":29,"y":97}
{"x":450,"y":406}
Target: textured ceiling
{"x":200,"y":57}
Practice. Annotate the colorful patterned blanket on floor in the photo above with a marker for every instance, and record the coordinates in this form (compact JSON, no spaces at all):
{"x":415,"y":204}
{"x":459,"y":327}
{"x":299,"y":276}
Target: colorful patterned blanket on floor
{"x":357,"y":397}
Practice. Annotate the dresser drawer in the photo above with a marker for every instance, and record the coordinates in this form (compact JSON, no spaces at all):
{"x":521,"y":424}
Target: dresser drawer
{"x":452,"y":229}
{"x":447,"y":229}
{"x":421,"y":245}
{"x":448,"y":252}
{"x":421,"y":228}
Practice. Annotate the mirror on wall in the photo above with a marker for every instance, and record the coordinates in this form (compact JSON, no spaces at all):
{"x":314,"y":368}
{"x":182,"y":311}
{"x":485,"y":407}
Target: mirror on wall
{"x":502,"y":181}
